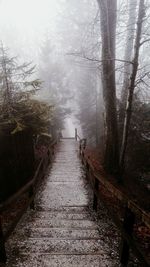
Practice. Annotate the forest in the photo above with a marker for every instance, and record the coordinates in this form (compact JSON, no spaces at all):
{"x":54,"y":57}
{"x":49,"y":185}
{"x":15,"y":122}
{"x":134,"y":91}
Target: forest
{"x":73,"y":70}
{"x":83,"y":65}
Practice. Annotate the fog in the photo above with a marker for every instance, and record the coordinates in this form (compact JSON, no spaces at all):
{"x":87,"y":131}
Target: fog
{"x":28,"y":26}
{"x":74,"y":103}
{"x":62,"y":38}
{"x":25,"y":24}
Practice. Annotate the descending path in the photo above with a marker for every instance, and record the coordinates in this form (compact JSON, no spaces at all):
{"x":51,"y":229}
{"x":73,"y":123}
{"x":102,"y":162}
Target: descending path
{"x":61,"y":231}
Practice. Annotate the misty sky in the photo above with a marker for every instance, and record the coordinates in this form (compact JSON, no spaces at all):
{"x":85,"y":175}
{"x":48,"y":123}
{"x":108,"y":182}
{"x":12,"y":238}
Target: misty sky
{"x":24,"y":24}
{"x":63,"y":27}
{"x":67,"y":24}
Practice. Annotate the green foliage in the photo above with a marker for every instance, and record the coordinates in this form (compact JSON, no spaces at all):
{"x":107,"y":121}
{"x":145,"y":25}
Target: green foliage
{"x":28,"y":114}
{"x":19,"y":110}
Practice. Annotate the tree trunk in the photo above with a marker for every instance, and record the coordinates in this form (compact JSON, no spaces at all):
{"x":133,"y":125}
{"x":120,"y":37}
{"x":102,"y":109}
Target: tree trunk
{"x":128,"y":112}
{"x":128,"y":50}
{"x":108,"y":13}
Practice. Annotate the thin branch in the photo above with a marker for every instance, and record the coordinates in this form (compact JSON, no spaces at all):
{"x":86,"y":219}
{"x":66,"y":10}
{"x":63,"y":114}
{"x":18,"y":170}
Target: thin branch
{"x":145,"y":41}
{"x":97,"y":60}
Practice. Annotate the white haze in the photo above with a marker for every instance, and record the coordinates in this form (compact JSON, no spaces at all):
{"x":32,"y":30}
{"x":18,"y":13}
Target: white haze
{"x":24,"y":24}
{"x":67,"y":26}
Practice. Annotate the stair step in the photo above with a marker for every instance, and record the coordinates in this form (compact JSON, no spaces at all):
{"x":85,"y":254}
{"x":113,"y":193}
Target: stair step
{"x":66,"y":224}
{"x":79,"y":209}
{"x":57,"y":233}
{"x":47,"y":260}
{"x":73,"y":261}
{"x":53,"y":246}
{"x":57,"y":199}
{"x":61,"y":231}
{"x":59,"y":216}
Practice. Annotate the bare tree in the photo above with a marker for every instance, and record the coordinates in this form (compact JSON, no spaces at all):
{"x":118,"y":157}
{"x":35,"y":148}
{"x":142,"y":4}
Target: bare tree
{"x":108,"y":16}
{"x":129,"y":49}
{"x":130,"y":91}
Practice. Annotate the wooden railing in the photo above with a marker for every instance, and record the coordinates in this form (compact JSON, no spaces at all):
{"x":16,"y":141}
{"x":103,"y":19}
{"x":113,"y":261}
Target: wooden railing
{"x":30,"y":190}
{"x":131,"y":210}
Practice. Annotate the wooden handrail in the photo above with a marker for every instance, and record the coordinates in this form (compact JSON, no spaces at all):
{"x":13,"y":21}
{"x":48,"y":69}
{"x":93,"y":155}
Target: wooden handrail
{"x":25,"y":188}
{"x":4,"y":205}
{"x":14,"y":197}
{"x":29,"y":187}
{"x":77,"y":137}
{"x":144,"y":216}
{"x":133,"y":208}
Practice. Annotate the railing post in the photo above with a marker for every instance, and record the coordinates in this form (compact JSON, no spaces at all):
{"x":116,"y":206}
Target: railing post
{"x":3,"y":257}
{"x":31,"y":195}
{"x":85,"y":142}
{"x":76,"y":134}
{"x":87,"y":170}
{"x":95,"y":198}
{"x":80,"y":147}
{"x":53,"y":150}
{"x":128,"y":224}
{"x":49,"y":156}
